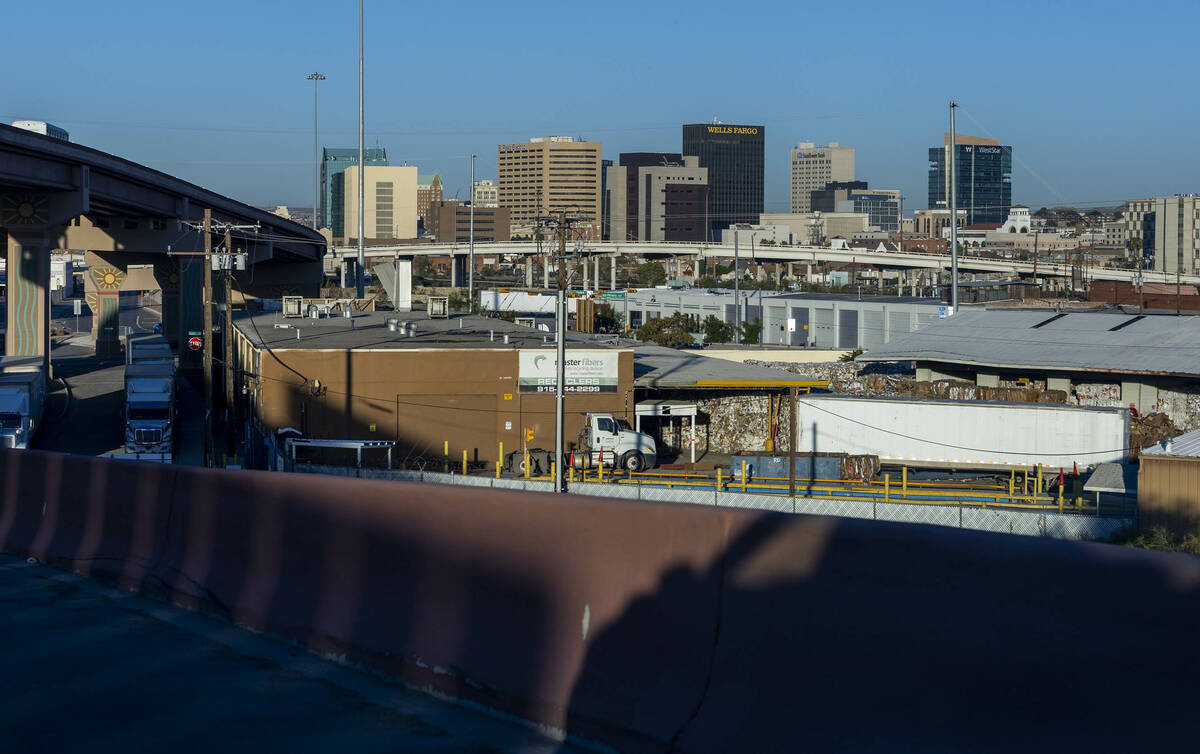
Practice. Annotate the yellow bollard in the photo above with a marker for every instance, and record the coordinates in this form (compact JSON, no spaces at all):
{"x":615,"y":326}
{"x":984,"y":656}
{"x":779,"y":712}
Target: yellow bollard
{"x":498,"y":464}
{"x":743,"y":476}
{"x":904,"y":481}
{"x":720,"y":484}
{"x":1012,"y":479}
{"x":501,"y":456}
{"x":446,"y":453}
{"x":464,"y":463}
{"x":571,"y":474}
{"x":887,"y":487}
{"x":553,"y":470}
{"x":600,"y":469}
{"x":1060,"y":498}
{"x":1038,"y":489}
{"x":526,"y":463}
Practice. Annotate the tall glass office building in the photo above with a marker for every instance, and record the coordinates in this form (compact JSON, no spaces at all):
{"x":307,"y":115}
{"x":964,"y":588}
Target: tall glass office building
{"x":734,"y":158}
{"x":333,"y":163}
{"x":983,"y":174}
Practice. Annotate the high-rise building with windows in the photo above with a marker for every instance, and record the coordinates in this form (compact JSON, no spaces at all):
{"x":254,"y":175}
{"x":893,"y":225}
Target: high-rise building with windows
{"x":733,"y":156}
{"x":983,"y":172}
{"x":1167,"y":230}
{"x":429,"y":192}
{"x":333,"y":162}
{"x":483,"y":194}
{"x":548,"y":175}
{"x":389,"y":202}
{"x":655,"y":196}
{"x":813,"y":167}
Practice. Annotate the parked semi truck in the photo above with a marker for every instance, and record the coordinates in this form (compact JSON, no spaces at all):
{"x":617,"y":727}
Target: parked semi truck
{"x":962,"y":434}
{"x":609,"y":441}
{"x":22,"y":400}
{"x":604,"y":440}
{"x":149,"y":396}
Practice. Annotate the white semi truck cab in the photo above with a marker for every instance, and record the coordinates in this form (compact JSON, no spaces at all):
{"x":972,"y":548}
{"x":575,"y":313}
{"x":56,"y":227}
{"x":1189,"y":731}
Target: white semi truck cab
{"x":609,"y":441}
{"x":149,"y":407}
{"x":22,"y":400}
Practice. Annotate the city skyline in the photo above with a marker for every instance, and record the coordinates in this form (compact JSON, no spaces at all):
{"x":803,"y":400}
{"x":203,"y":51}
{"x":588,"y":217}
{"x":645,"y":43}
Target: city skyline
{"x":240,"y":121}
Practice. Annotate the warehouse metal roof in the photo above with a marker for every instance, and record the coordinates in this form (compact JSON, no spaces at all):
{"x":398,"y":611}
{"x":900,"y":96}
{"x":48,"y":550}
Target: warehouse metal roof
{"x":1187,"y":444}
{"x":1055,"y":341}
{"x":656,"y":366}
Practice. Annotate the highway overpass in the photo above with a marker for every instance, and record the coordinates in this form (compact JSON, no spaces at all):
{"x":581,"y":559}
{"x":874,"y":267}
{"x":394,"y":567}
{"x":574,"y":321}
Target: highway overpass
{"x":800,"y":255}
{"x":58,"y":195}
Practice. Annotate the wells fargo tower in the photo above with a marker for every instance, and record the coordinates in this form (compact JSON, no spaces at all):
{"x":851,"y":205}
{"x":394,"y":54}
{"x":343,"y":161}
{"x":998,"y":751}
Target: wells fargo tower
{"x":734,"y":158}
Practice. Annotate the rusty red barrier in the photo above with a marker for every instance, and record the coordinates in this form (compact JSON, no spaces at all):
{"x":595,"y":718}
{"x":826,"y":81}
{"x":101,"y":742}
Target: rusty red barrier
{"x":652,"y":627}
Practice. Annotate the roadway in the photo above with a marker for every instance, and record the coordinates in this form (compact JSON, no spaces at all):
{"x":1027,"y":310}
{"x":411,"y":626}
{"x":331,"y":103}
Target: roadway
{"x":100,"y":670}
{"x":772,"y":254}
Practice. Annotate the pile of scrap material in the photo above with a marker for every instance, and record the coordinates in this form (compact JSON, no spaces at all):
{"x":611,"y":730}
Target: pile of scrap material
{"x":1148,"y":430}
{"x":860,"y":468}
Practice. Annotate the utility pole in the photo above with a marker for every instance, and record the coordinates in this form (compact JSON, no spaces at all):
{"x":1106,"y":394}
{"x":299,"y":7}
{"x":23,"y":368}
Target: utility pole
{"x":560,"y":328}
{"x":953,"y":214}
{"x":208,"y":324}
{"x":315,"y":77}
{"x":1178,"y":273}
{"x":471,"y":245}
{"x":1141,"y":287}
{"x":1035,"y":264}
{"x":737,"y":301}
{"x":361,"y":169}
{"x":227,"y":339}
{"x":900,"y":246}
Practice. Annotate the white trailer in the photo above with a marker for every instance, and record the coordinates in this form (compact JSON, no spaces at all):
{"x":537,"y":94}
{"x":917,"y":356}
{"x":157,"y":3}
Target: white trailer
{"x":22,"y":400}
{"x":520,"y":302}
{"x":962,"y":434}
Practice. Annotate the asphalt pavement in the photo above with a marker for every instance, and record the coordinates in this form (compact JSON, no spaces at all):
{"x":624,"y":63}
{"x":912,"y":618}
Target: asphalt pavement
{"x":94,"y":669}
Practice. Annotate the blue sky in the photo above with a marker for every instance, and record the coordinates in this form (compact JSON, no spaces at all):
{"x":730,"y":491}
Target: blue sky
{"x":1098,"y":99}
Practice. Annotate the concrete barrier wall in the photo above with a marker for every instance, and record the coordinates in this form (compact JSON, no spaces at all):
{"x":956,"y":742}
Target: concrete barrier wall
{"x":651,"y":626}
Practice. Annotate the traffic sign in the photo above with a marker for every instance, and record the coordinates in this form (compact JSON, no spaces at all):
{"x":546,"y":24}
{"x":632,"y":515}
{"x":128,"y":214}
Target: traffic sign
{"x":612,"y":294}
{"x":194,"y":344}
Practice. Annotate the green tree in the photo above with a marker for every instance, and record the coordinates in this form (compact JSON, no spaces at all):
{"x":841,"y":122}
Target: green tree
{"x":672,"y":332}
{"x":716,"y":331}
{"x":706,"y":281}
{"x":651,"y":274}
{"x":751,"y":331}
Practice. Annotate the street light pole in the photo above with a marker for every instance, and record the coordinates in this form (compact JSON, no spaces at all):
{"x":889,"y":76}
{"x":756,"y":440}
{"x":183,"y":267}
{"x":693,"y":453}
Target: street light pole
{"x":737,"y":301}
{"x":471,"y":245}
{"x":953,"y":215}
{"x":359,"y":288}
{"x":315,"y":77}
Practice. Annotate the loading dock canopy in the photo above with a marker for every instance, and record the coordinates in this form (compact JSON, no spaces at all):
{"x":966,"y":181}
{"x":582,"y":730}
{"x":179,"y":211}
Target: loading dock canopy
{"x":669,"y":410}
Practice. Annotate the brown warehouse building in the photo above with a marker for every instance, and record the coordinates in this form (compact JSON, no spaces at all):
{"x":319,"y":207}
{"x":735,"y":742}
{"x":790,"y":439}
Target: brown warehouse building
{"x":468,"y":381}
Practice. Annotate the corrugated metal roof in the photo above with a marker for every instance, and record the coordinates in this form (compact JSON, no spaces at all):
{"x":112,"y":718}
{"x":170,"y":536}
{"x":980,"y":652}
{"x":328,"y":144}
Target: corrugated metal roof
{"x":655,"y":366}
{"x":1043,"y":339}
{"x":1187,"y":444}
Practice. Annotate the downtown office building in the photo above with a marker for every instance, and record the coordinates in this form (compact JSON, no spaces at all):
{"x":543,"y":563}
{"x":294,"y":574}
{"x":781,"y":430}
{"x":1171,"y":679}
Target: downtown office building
{"x":733,"y":156}
{"x":983,"y":174}
{"x":334,"y":162}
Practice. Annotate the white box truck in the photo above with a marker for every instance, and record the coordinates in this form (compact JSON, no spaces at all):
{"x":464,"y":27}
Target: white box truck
{"x":22,"y":400}
{"x":149,"y":397}
{"x":962,"y":434}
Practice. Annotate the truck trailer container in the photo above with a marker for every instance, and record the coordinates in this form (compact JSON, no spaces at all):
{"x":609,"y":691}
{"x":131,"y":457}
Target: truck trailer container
{"x":962,"y":434}
{"x":22,"y":400}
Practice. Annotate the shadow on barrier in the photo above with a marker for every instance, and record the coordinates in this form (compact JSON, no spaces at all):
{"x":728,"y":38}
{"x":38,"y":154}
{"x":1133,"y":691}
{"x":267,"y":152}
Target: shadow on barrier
{"x":651,"y":627}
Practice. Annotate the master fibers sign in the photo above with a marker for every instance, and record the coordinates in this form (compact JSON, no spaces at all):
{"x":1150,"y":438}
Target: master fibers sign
{"x":586,"y":372}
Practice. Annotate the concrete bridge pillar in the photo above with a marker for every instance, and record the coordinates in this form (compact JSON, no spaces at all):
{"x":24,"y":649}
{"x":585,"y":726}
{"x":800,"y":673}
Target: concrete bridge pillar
{"x":28,"y":267}
{"x":528,"y":271}
{"x":546,"y":272}
{"x":596,"y":271}
{"x":585,"y":273}
{"x":612,"y":269}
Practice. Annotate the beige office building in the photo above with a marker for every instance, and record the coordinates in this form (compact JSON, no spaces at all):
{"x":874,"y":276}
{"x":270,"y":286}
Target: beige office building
{"x":1169,"y":230}
{"x":390,"y":201}
{"x":931,"y":223}
{"x":813,"y":167}
{"x":548,"y":175}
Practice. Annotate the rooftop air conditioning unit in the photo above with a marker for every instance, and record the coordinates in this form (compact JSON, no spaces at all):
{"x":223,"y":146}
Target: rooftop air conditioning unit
{"x":293,"y":306}
{"x":439,"y":307}
{"x":525,"y":321}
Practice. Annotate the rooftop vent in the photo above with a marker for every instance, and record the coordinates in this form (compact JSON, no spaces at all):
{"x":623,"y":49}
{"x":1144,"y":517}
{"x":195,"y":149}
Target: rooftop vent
{"x":438,"y":307}
{"x":293,"y":306}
